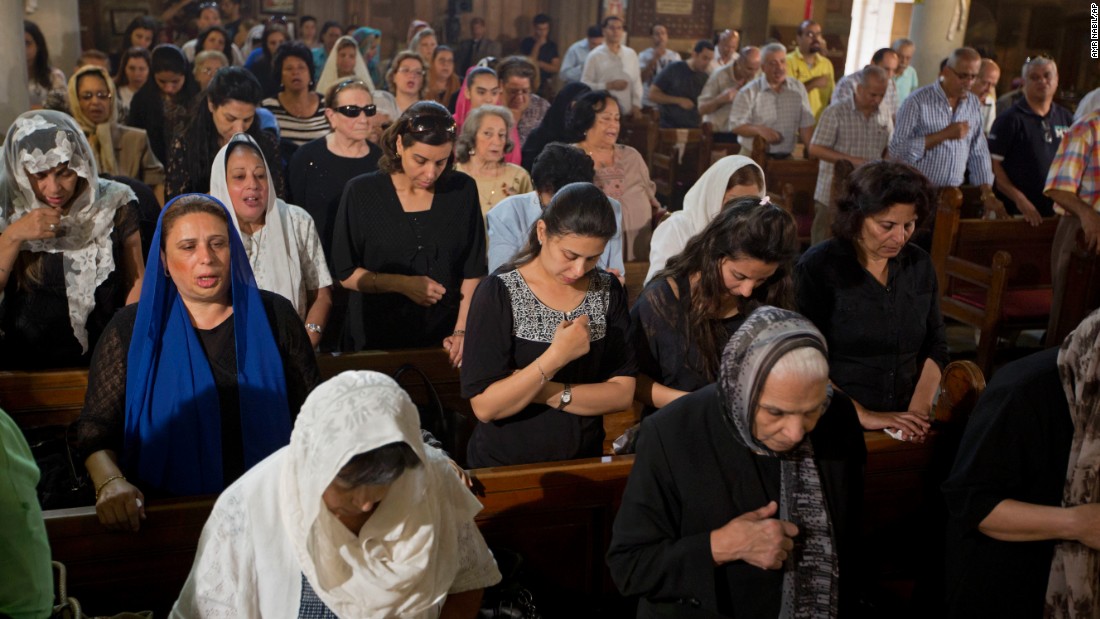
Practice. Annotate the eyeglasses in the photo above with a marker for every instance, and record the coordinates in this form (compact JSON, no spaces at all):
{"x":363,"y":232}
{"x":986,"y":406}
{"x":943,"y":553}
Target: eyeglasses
{"x":963,"y":77}
{"x":425,"y":123}
{"x":353,"y":111}
{"x":102,"y":95}
{"x":407,"y":71}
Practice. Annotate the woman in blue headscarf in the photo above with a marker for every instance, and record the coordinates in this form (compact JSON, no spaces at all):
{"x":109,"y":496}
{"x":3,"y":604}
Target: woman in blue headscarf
{"x":197,"y":382}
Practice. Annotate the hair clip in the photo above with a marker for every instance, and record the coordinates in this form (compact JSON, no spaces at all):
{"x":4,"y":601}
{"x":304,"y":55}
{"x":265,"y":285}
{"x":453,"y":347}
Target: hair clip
{"x":765,"y":200}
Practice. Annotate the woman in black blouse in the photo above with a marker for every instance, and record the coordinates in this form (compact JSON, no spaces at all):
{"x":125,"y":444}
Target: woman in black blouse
{"x":409,"y":240}
{"x":875,"y":298}
{"x":548,"y":352}
{"x":681,"y":321}
{"x":199,"y":380}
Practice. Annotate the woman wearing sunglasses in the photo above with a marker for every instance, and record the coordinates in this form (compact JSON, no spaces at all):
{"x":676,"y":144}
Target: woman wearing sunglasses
{"x":409,"y":240}
{"x":320,"y":169}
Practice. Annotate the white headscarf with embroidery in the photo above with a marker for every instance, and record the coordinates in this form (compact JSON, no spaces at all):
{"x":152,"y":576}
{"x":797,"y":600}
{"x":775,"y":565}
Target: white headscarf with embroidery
{"x":42,"y":140}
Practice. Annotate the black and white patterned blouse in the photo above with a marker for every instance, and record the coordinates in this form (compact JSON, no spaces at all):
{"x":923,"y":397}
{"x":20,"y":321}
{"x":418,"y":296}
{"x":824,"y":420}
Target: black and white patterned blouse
{"x":507,"y":328}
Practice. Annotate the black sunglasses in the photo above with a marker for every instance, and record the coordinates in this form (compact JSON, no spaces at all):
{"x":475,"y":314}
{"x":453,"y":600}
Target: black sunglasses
{"x":425,"y":123}
{"x":353,"y":111}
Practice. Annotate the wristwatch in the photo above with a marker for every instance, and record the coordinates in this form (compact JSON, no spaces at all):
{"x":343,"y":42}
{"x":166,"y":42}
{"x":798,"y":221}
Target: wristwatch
{"x":566,"y":396}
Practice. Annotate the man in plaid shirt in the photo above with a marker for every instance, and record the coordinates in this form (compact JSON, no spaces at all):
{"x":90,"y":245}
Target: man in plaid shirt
{"x":851,"y":129}
{"x":1074,"y":184}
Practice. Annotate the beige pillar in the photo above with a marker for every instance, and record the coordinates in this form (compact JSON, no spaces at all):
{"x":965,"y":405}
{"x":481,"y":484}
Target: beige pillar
{"x":13,"y":65}
{"x":938,"y":27}
{"x":872,"y":21}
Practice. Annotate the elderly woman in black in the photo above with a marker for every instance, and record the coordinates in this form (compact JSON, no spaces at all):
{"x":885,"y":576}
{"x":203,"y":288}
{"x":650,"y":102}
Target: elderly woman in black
{"x":727,"y":478}
{"x":229,"y":108}
{"x":874,"y":296}
{"x":409,"y":240}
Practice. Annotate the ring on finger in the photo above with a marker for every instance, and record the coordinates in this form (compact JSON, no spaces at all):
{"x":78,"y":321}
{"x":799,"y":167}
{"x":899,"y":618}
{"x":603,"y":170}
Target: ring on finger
{"x":53,"y":227}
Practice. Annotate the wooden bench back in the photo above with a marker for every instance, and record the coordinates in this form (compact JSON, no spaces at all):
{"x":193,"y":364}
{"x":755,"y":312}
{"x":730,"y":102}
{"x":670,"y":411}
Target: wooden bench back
{"x":795,"y":180}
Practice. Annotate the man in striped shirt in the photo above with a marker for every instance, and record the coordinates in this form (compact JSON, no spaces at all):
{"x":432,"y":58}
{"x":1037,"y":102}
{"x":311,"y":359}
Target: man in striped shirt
{"x":939,"y":131}
{"x":773,"y":106}
{"x":1073,"y":182}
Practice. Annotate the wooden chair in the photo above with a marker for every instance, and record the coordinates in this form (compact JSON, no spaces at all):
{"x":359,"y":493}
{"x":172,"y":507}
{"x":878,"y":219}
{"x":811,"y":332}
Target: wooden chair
{"x":992,"y":274}
{"x":641,"y":134}
{"x":800,"y":174}
{"x":1081,"y":296}
{"x":679,"y":159}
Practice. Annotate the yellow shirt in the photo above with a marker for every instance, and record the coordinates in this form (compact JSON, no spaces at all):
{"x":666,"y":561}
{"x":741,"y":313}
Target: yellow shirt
{"x":798,"y":68}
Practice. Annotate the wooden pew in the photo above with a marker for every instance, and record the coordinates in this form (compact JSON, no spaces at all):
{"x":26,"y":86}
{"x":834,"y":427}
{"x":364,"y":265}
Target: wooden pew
{"x":558,"y":517}
{"x":1082,"y":294}
{"x":641,"y":133}
{"x":680,"y":157}
{"x":800,"y":174}
{"x":992,"y":274}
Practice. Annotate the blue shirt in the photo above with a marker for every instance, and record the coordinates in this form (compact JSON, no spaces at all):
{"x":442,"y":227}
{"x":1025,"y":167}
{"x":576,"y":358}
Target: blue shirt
{"x":510,"y":222}
{"x":927,"y":111}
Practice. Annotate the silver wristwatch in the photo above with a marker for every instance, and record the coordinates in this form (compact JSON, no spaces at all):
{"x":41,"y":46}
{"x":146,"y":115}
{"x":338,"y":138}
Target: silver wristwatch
{"x":566,"y":396}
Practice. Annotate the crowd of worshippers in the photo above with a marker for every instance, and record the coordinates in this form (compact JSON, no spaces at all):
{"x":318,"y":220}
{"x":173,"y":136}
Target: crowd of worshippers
{"x":319,"y":199}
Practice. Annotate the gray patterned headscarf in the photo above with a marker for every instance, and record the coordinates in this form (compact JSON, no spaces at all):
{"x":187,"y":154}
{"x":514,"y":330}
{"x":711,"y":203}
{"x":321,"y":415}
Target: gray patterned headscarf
{"x":811,"y":574}
{"x":1075,"y":569}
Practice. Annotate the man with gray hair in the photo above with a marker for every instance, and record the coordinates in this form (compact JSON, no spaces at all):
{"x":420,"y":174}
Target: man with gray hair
{"x":906,"y":77}
{"x":887,"y":60}
{"x":939,"y":131}
{"x":716,"y":100}
{"x":851,"y":130}
{"x":1025,"y":139}
{"x":773,"y":106}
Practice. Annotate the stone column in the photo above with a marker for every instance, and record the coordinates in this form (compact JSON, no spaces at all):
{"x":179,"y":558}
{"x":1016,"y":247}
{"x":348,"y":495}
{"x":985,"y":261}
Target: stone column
{"x":938,"y":27}
{"x":13,"y":66}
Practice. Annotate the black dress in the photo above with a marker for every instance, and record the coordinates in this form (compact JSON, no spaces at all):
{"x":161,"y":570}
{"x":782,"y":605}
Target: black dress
{"x":507,"y":329}
{"x":661,"y":336}
{"x":103,"y":420}
{"x":690,"y":477}
{"x":445,"y":243}
{"x":879,"y":336}
{"x":34,"y":320}
{"x":1016,"y":446}
{"x":179,"y":180}
{"x":317,"y":178}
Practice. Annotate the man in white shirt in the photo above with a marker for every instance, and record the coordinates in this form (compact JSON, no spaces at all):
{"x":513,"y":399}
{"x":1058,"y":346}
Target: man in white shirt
{"x":614,"y":67}
{"x":716,"y":100}
{"x":725,"y":49}
{"x":654,"y":59}
{"x":573,"y":64}
{"x":985,"y":88}
{"x":773,"y":106}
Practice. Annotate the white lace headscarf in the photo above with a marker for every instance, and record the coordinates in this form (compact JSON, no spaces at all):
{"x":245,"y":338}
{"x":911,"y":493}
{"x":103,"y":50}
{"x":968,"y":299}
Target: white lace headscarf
{"x":405,"y":557}
{"x":41,"y":140}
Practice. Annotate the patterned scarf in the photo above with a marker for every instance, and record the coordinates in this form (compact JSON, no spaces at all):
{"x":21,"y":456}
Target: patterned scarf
{"x":811,"y":574}
{"x":1072,"y":590}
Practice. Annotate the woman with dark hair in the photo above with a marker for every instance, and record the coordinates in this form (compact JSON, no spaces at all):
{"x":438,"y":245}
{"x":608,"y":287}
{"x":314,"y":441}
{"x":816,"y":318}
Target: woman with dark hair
{"x":134,"y":70}
{"x":214,"y":38}
{"x":729,"y":177}
{"x":874,"y":295}
{"x":275,"y":34}
{"x":480,"y":151}
{"x":553,"y":128}
{"x":299,"y":110}
{"x":198,"y":381}
{"x":681,"y":322}
{"x":620,"y":170}
{"x":442,"y":81}
{"x":228,"y":108}
{"x":161,"y":106}
{"x":70,"y":251}
{"x":407,"y":84}
{"x":44,"y":81}
{"x":141,"y":33}
{"x":409,"y":240}
{"x":548,"y":350}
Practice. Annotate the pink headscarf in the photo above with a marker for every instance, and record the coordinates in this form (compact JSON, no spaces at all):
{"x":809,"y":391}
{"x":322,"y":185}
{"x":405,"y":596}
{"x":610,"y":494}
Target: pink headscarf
{"x":462,"y":110}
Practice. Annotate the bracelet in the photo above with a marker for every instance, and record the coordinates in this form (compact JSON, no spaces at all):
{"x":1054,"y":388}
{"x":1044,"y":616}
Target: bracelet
{"x":99,"y":488}
{"x":545,"y":378}
{"x":459,"y":332}
{"x":313,"y":328}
